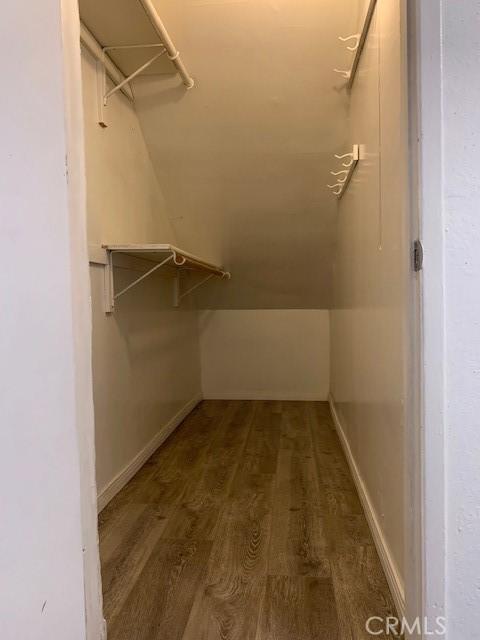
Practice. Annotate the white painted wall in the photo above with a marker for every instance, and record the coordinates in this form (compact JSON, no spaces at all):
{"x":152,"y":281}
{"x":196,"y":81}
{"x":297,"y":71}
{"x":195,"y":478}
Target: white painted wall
{"x":461,"y":204}
{"x":265,"y":354}
{"x":48,"y":542}
{"x":146,"y":363}
{"x":372,"y":263}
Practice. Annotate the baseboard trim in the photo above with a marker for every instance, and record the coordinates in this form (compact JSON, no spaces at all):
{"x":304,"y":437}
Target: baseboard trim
{"x":127,"y":473}
{"x":267,"y":395}
{"x":390,"y":568}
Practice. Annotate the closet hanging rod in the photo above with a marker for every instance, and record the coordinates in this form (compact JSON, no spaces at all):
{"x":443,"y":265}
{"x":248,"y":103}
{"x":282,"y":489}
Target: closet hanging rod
{"x":172,"y":52}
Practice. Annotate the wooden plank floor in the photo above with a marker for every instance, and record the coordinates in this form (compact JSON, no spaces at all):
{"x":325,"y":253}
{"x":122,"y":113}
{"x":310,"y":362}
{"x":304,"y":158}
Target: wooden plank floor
{"x":244,"y":525}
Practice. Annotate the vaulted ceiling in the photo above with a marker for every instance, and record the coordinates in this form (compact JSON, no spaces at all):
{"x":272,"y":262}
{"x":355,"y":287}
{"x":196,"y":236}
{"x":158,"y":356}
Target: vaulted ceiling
{"x":243,"y":158}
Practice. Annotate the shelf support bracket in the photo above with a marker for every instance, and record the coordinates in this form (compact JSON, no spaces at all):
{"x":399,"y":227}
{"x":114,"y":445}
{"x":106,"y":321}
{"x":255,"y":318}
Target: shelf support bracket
{"x":102,"y":94}
{"x":175,"y":259}
{"x":101,"y":75}
{"x":196,"y":286}
{"x":176,"y":290}
{"x":108,"y":285}
{"x":110,"y":291}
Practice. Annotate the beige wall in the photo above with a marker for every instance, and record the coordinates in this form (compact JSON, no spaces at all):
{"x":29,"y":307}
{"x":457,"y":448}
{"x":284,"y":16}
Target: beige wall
{"x":243,"y":158}
{"x":146,"y":364}
{"x":371,"y":266}
{"x":265,"y":354}
{"x":124,"y":200}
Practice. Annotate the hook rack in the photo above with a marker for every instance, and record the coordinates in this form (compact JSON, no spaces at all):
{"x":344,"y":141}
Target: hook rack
{"x":338,"y":189}
{"x":359,"y":43}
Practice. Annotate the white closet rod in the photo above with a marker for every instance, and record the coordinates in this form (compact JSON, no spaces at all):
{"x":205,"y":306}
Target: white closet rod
{"x":88,"y":40}
{"x":172,"y":52}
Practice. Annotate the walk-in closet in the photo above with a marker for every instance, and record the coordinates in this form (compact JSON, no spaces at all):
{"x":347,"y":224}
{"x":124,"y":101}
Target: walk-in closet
{"x":249,"y":260}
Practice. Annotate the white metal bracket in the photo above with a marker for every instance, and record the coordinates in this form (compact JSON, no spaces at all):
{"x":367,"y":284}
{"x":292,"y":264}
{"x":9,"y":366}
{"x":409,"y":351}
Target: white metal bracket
{"x":178,"y":297}
{"x":102,"y":94}
{"x":101,"y":74}
{"x":176,"y":290}
{"x":110,"y":294}
{"x":167,"y":255}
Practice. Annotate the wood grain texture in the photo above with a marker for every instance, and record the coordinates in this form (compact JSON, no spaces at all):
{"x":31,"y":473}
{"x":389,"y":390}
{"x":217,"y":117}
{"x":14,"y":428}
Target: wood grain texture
{"x":198,"y":512}
{"x":297,"y":544}
{"x":261,"y":450}
{"x":244,"y":525}
{"x":298,"y":608}
{"x":228,"y":605}
{"x":160,"y":602}
{"x":125,"y":548}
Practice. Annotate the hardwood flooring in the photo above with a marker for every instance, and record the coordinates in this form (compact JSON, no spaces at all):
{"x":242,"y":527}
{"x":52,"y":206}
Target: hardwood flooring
{"x":244,"y":525}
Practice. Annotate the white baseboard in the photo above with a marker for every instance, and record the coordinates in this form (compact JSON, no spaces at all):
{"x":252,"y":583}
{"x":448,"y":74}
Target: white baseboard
{"x":127,"y":473}
{"x":390,"y":568}
{"x":266,"y":395}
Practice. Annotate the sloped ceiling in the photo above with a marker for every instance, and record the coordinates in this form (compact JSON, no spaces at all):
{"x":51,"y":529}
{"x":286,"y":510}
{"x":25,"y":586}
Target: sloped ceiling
{"x":243,"y":158}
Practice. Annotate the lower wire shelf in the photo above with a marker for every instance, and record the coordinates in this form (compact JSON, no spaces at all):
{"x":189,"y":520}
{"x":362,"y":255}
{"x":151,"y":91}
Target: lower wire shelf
{"x":162,"y":255}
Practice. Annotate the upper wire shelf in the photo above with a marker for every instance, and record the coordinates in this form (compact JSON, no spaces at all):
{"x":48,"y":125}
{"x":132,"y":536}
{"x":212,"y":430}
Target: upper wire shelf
{"x":159,"y":41}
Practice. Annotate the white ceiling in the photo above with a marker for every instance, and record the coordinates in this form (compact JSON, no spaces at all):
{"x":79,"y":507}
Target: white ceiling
{"x":243,"y":158}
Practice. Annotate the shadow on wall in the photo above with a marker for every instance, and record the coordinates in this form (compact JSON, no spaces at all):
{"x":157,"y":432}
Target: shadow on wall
{"x":166,"y":89}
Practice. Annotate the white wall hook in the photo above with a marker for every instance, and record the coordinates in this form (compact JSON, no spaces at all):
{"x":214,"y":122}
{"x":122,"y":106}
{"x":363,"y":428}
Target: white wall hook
{"x":355,"y":36}
{"x":346,"y":155}
{"x":336,"y":187}
{"x":338,"y":173}
{"x":339,"y":188}
{"x":345,"y":74}
{"x":348,"y":164}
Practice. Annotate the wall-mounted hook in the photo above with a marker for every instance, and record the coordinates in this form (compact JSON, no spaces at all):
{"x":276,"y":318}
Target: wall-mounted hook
{"x":345,"y":74}
{"x":337,"y":187}
{"x":346,"y":155}
{"x":355,"y":36}
{"x":337,"y":173}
